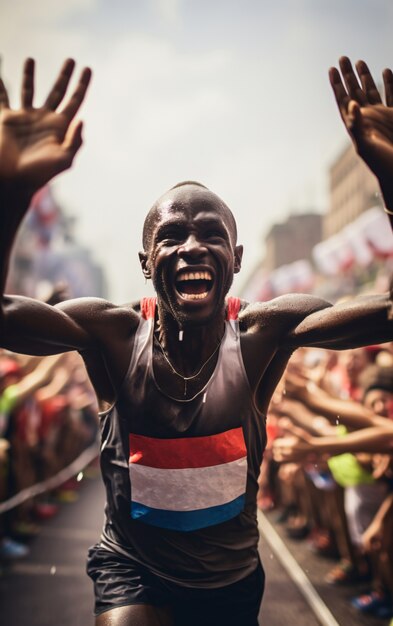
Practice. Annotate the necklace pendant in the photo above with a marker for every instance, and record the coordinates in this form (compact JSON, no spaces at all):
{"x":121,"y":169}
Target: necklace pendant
{"x":181,"y":334}
{"x":185,"y":387}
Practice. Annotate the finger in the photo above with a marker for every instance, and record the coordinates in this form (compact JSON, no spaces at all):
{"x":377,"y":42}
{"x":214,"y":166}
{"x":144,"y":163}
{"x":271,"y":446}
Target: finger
{"x":27,"y":92}
{"x":58,"y":90}
{"x":4,"y":102}
{"x":354,"y":118}
{"x":339,"y":91}
{"x":78,"y":96}
{"x":368,"y":84}
{"x":351,"y":82}
{"x":388,"y":84}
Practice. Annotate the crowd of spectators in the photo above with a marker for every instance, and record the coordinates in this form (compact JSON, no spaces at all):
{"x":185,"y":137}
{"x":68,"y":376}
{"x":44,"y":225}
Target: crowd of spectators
{"x":328,"y":469}
{"x":48,"y":416}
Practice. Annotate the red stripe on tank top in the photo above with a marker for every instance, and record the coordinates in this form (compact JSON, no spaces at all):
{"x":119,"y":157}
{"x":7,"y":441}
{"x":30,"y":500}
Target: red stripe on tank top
{"x":188,"y":452}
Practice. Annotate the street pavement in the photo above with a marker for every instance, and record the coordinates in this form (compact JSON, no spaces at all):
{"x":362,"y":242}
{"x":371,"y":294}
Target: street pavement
{"x":50,"y":586}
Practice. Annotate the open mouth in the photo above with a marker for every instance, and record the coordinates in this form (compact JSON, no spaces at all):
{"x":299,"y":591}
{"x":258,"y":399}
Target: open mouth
{"x":194,"y":285}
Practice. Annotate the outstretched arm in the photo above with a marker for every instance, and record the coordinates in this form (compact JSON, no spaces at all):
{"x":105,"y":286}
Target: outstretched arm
{"x":368,"y":120}
{"x":350,"y":413}
{"x":363,"y":321}
{"x":36,"y":144}
{"x":377,"y":439}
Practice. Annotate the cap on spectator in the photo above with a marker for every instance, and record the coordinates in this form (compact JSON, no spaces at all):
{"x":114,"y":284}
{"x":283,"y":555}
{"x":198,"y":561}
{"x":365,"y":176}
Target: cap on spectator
{"x":375,"y":377}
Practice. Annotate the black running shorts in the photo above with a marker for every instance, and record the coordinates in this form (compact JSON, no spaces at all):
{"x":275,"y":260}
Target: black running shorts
{"x":119,"y":581}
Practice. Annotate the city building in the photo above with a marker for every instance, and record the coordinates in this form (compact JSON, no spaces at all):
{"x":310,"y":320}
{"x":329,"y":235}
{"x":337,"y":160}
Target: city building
{"x":47,"y":254}
{"x":292,"y":240}
{"x":352,"y":190}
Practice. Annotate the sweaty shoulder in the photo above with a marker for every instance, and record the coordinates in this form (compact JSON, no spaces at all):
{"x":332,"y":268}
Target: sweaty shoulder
{"x":100,"y":317}
{"x":281,"y":314}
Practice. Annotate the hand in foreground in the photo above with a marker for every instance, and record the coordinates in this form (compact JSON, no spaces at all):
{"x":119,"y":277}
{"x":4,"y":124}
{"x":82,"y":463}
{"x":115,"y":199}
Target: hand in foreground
{"x":367,"y":119}
{"x":38,"y":143}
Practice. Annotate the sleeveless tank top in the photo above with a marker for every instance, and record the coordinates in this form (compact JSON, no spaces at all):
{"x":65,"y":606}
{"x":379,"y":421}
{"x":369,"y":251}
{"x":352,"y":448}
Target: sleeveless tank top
{"x":181,"y":477}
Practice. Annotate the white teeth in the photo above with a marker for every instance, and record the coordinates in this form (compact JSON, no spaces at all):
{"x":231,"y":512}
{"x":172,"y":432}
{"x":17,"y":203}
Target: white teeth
{"x":195,"y":276}
{"x":195,"y":296}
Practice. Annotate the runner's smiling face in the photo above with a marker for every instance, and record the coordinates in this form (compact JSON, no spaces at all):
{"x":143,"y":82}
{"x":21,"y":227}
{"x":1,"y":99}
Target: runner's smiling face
{"x":193,"y":254}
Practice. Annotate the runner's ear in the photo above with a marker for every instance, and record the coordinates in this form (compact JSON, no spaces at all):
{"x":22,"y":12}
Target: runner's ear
{"x":238,"y":259}
{"x":144,"y":264}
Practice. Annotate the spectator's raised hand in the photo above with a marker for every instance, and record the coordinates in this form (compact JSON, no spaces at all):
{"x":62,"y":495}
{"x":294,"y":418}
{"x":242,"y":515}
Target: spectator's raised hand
{"x":367,"y":119}
{"x":38,"y":143}
{"x":291,"y":449}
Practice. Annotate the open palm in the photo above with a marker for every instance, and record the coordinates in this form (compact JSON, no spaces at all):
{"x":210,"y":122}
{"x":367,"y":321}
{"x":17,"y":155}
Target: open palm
{"x":38,"y":143}
{"x":368,"y":121}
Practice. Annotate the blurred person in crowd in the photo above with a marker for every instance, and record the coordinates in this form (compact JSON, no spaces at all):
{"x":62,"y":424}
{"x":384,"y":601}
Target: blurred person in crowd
{"x":367,"y":480}
{"x":362,"y":494}
{"x":324,"y":520}
{"x":19,"y":412}
{"x":350,"y":365}
{"x":185,"y":379}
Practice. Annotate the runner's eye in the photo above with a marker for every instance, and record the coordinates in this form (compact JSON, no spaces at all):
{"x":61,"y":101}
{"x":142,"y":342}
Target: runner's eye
{"x":172,"y":236}
{"x":214,"y":233}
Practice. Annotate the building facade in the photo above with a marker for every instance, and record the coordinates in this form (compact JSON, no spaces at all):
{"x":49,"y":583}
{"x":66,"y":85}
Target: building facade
{"x":352,"y":190}
{"x":292,"y":240}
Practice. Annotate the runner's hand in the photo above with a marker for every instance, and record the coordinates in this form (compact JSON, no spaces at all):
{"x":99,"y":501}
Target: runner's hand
{"x":367,"y":119}
{"x":38,"y":143}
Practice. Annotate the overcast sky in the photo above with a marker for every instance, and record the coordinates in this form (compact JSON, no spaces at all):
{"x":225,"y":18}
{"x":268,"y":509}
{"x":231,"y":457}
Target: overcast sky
{"x":231,"y":93}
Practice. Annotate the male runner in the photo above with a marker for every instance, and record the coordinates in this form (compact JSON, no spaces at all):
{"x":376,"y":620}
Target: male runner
{"x":184,"y":381}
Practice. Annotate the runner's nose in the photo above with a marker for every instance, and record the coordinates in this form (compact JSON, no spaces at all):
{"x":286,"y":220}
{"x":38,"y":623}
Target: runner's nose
{"x":192,"y":247}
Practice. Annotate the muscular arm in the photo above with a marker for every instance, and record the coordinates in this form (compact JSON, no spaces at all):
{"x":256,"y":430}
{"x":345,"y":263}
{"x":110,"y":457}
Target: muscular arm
{"x":36,"y":144}
{"x":296,"y":320}
{"x":362,"y":321}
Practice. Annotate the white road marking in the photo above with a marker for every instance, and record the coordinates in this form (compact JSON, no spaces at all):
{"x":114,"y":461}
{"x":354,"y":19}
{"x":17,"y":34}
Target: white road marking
{"x":48,"y":569}
{"x":296,"y":573}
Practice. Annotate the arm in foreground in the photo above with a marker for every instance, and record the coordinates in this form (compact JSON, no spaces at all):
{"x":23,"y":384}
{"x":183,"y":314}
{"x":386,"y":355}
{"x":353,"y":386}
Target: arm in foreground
{"x":368,"y":120}
{"x":363,"y":321}
{"x":36,"y":144}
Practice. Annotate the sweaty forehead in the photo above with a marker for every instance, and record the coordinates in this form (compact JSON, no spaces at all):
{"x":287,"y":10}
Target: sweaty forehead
{"x":196,"y":203}
{"x":185,"y":204}
{"x":170,"y":211}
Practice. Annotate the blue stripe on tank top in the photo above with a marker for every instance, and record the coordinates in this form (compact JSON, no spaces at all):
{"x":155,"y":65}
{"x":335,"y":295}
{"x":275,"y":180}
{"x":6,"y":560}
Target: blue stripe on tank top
{"x":188,"y":520}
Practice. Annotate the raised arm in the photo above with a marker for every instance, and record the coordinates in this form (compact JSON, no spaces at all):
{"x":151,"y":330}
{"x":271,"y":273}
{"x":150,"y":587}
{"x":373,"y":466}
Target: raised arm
{"x":36,"y":144}
{"x":368,"y":120}
{"x":369,"y":123}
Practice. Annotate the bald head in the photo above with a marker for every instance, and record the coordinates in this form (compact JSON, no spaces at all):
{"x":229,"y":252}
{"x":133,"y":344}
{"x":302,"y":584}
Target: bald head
{"x":181,"y":196}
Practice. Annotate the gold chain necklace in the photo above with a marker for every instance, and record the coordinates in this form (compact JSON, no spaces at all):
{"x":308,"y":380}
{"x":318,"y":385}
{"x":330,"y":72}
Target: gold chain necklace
{"x":187,"y":378}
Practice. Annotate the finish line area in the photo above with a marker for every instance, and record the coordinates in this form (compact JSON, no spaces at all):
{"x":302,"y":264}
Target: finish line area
{"x":51,"y":584}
